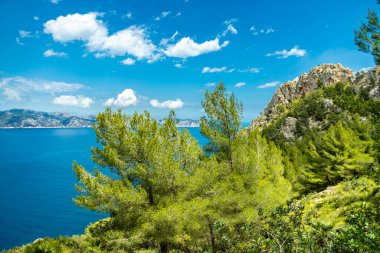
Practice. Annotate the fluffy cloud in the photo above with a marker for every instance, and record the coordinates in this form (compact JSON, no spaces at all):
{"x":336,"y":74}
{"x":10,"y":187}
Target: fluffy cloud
{"x":210,"y":84}
{"x":55,"y":1}
{"x":230,"y":29}
{"x":295,"y":51}
{"x":89,"y":29}
{"x":52,"y":53}
{"x":240,"y":84}
{"x":171,"y":104}
{"x":187,"y":47}
{"x":178,"y":65}
{"x":77,"y":101}
{"x":268,"y":85}
{"x":124,"y":99}
{"x":76,"y":26}
{"x":217,"y":70}
{"x":14,"y":88}
{"x":128,"y":61}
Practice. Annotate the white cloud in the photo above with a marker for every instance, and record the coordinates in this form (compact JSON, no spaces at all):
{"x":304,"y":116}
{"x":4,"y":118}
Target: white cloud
{"x":171,"y":104}
{"x":165,"y":41}
{"x":12,"y":94}
{"x":87,"y":28}
{"x":18,"y":41}
{"x":124,"y":99}
{"x":217,"y":70}
{"x":230,"y":29}
{"x":164,"y":14}
{"x":52,"y":53}
{"x":178,"y":14}
{"x":55,"y":1}
{"x":186,"y":47}
{"x":24,"y":34}
{"x":230,"y":21}
{"x":295,"y":51}
{"x":128,"y":15}
{"x":365,"y":69}
{"x":254,"y":31}
{"x":128,"y":61}
{"x":21,"y":35}
{"x":240,"y":84}
{"x":269,"y":85}
{"x":36,"y":18}
{"x":210,"y":84}
{"x":250,"y":70}
{"x":77,"y":101}
{"x":130,"y":41}
{"x":178,"y":65}
{"x":15,"y":88}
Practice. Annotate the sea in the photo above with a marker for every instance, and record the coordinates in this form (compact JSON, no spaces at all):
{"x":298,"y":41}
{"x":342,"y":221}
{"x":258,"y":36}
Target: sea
{"x":37,"y":183}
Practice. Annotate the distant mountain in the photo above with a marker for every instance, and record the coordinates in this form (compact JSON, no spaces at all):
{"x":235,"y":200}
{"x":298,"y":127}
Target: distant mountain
{"x":184,"y":122}
{"x":20,"y":118}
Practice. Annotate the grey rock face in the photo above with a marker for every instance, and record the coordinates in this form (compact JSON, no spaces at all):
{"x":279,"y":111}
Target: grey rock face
{"x":320,"y":76}
{"x":289,"y":128}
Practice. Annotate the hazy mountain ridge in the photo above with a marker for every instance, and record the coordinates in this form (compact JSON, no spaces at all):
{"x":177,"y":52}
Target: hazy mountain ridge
{"x":20,"y":118}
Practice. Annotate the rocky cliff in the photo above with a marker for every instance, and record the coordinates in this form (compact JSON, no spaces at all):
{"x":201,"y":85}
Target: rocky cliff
{"x":320,"y":76}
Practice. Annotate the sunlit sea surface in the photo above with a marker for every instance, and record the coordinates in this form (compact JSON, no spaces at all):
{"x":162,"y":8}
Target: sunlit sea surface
{"x":37,"y":183}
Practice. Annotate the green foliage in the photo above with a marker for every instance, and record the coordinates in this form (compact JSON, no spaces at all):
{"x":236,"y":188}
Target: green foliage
{"x":339,"y":154}
{"x":150,"y":166}
{"x":222,"y":122}
{"x":255,"y":191}
{"x":367,"y":38}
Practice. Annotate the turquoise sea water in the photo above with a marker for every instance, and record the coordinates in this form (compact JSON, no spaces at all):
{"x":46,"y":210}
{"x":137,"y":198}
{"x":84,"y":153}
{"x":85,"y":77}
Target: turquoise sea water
{"x":37,"y":183}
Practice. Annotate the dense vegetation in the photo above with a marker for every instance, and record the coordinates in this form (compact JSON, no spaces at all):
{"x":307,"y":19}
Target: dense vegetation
{"x":247,"y":191}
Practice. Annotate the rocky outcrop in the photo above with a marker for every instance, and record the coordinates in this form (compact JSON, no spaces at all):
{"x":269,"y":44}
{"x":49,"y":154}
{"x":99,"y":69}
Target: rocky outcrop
{"x":369,"y":79}
{"x":320,"y":76}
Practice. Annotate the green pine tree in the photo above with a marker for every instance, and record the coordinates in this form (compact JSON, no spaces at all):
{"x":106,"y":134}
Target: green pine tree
{"x":222,"y":121}
{"x":367,"y":38}
{"x":149,"y":170}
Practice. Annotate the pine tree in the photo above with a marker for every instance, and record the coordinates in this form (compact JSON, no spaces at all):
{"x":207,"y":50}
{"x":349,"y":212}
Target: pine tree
{"x":221,"y":123}
{"x":367,"y":38}
{"x":341,"y":153}
{"x":149,"y":169}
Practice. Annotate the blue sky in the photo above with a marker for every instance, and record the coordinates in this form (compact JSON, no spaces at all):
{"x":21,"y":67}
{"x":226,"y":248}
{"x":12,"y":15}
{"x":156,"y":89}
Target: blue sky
{"x":80,"y":56}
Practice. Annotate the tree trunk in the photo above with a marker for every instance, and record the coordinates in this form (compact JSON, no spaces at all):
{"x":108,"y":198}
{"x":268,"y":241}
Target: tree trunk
{"x":164,"y":248}
{"x":213,"y":244}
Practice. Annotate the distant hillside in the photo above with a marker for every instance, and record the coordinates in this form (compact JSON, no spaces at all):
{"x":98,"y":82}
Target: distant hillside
{"x":20,"y":118}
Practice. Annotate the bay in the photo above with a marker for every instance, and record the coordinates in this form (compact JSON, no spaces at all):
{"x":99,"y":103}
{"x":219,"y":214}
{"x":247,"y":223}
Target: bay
{"x":37,"y":183}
